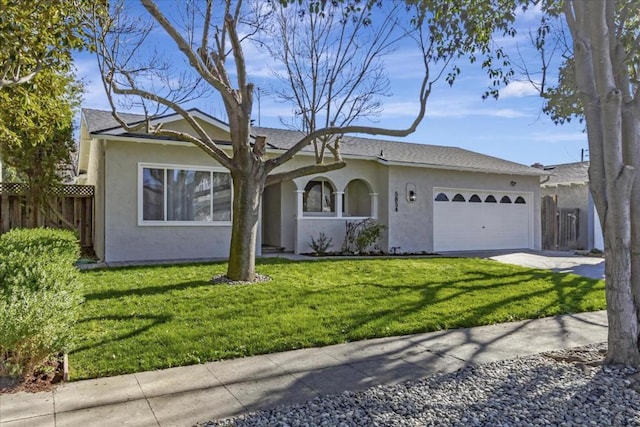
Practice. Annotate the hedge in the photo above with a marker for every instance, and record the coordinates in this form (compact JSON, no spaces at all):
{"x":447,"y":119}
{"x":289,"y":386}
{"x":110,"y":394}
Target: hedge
{"x":39,"y":293}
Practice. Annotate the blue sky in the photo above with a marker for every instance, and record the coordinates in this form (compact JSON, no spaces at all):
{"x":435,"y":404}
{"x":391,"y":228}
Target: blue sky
{"x":512,"y":127}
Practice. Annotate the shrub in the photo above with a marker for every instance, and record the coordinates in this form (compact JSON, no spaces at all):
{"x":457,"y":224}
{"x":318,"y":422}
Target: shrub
{"x":320,"y":245}
{"x":360,"y":235}
{"x":39,"y":293}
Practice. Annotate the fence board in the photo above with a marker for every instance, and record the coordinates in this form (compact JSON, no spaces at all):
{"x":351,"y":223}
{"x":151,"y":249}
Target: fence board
{"x":73,"y":203}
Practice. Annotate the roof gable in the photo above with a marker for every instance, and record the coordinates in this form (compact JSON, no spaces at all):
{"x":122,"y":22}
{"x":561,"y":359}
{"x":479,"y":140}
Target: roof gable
{"x":103,"y":122}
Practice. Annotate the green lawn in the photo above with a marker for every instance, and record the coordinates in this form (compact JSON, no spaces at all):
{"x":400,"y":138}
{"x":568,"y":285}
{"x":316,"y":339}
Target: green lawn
{"x":143,"y":318}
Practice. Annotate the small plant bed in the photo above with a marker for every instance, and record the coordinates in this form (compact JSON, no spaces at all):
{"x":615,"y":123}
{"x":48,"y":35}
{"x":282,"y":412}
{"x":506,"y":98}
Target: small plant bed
{"x":370,"y":254}
{"x":45,"y":377}
{"x":142,"y":318}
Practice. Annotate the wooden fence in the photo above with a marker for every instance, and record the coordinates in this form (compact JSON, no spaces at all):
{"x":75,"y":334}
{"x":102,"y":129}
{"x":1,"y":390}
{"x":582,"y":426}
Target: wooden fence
{"x":560,"y":226}
{"x":70,"y":207}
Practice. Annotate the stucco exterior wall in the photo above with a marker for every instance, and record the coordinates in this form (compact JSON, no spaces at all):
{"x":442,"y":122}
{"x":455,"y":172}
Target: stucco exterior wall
{"x":214,"y":132}
{"x":411,"y":226}
{"x":125,"y":240}
{"x":95,"y":177}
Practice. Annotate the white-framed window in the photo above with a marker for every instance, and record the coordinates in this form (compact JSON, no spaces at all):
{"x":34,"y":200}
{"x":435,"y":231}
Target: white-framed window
{"x":318,"y":198}
{"x":183,"y":195}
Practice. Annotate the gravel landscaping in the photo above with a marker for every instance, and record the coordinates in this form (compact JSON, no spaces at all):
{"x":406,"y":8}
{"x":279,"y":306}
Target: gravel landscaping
{"x":563,"y":388}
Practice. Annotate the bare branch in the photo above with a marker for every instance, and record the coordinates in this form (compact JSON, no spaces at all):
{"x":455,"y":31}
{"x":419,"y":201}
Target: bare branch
{"x":303,"y":171}
{"x":241,"y":69}
{"x":15,"y":79}
{"x":215,"y":81}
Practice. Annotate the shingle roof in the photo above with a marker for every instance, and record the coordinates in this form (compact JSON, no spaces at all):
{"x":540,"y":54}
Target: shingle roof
{"x":385,"y":151}
{"x":568,"y":173}
{"x":100,"y":120}
{"x":407,"y":152}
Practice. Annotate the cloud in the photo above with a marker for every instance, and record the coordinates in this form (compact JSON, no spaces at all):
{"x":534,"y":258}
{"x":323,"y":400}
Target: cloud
{"x":531,"y":14}
{"x":558,"y":137}
{"x":461,"y":106}
{"x":518,"y":90}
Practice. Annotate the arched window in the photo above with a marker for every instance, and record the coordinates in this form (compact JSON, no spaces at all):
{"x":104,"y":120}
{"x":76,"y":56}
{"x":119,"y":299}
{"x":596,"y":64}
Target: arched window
{"x":475,"y":199}
{"x":458,"y":198}
{"x":357,"y":200}
{"x":520,"y":200}
{"x":505,"y":199}
{"x":490,"y":199}
{"x":441,"y":197}
{"x":318,"y":197}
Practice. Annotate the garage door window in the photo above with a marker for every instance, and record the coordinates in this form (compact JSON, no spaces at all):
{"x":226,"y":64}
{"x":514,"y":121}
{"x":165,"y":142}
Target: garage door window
{"x":490,"y":199}
{"x":441,"y":197}
{"x":505,"y":199}
{"x":458,"y":198}
{"x":475,"y":199}
{"x":520,"y":200}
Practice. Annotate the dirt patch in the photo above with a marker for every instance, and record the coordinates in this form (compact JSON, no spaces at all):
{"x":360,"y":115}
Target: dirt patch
{"x":45,"y":379}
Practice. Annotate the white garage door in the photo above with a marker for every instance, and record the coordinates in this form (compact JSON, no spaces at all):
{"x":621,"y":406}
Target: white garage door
{"x":476,"y":220}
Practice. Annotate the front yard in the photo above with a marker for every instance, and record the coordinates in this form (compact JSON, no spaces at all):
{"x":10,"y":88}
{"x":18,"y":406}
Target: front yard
{"x":143,"y":318}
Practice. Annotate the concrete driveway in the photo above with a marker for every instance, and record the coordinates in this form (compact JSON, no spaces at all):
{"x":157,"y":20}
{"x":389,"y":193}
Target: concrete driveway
{"x":560,"y":262}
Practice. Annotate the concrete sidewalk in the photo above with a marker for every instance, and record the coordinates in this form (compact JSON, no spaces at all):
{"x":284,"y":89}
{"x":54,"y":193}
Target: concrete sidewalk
{"x":187,"y":395}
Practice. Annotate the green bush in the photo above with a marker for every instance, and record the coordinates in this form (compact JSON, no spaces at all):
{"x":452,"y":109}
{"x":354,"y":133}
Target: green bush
{"x":361,"y":235}
{"x":320,"y":245}
{"x":39,"y":293}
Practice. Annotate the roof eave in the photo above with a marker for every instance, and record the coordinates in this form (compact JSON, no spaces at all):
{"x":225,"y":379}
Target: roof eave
{"x":456,"y":168}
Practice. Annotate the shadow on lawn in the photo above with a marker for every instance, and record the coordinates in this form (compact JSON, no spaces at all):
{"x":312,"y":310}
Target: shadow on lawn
{"x":146,"y":291}
{"x":155,"y":320}
{"x":371,"y":322}
{"x":568,"y":292}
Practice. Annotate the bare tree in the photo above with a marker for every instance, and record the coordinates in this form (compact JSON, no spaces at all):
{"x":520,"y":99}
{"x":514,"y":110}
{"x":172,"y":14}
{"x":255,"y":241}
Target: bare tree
{"x":211,"y":40}
{"x":330,"y":66}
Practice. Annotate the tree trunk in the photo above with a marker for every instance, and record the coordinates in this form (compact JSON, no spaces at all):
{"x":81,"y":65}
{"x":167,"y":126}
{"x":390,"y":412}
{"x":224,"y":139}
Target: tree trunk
{"x":247,"y":195}
{"x":621,"y":310}
{"x":611,"y":177}
{"x":631,"y":138}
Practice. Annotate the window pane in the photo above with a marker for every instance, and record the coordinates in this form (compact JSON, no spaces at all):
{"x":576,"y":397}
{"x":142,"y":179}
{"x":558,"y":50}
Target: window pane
{"x":221,"y":196}
{"x":188,"y":195}
{"x":327,"y":198}
{"x":312,"y":200}
{"x":202,"y":196}
{"x":152,"y":194}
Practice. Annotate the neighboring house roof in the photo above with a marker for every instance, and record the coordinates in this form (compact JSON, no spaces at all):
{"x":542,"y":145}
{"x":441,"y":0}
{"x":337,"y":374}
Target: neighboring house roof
{"x":567,"y":174}
{"x":386,"y":152}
